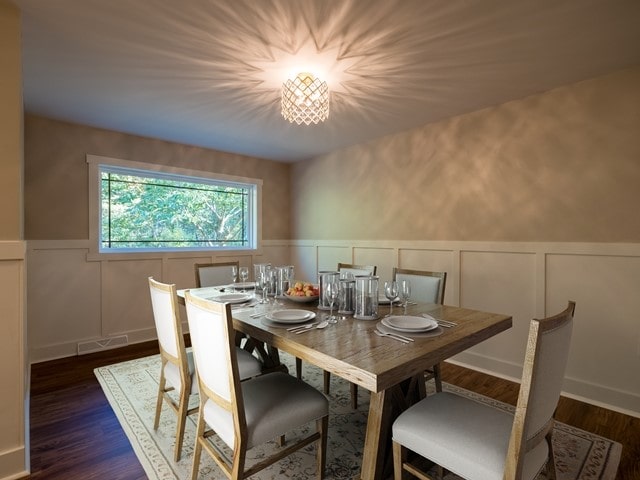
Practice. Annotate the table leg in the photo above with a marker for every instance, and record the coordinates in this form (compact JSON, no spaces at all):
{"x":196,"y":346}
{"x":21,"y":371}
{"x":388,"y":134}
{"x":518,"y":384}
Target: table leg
{"x":378,"y":428}
{"x":384,"y":408}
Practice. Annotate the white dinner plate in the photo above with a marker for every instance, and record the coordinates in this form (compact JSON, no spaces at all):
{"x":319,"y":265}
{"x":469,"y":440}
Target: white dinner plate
{"x":243,"y":285}
{"x":232,"y":297}
{"x":408,"y":323}
{"x":290,"y":316}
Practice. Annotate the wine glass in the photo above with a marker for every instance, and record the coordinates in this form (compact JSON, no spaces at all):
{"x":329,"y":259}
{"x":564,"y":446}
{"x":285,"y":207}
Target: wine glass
{"x":244,"y":274}
{"x":405,"y":293}
{"x":234,"y":277}
{"x":262,"y":282}
{"x":331,"y":292}
{"x":391,"y":292}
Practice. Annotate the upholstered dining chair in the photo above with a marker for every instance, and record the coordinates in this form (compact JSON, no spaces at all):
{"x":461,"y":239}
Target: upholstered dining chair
{"x":214,"y":274}
{"x":355,"y":270}
{"x":479,"y":442}
{"x":177,"y":372}
{"x":427,"y":287}
{"x":247,"y":414}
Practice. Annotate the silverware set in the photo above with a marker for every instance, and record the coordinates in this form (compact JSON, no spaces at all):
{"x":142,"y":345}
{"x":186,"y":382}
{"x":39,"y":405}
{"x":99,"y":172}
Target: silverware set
{"x":309,"y":326}
{"x":395,"y":336}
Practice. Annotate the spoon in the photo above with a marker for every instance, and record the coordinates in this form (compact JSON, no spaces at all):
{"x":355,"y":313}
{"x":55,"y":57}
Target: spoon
{"x":321,"y":325}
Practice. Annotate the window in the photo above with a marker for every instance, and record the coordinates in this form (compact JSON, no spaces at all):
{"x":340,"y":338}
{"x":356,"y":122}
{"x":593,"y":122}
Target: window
{"x":151,"y":210}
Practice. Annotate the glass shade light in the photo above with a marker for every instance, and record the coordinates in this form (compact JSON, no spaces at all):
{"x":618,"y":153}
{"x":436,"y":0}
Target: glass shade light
{"x":305,"y":99}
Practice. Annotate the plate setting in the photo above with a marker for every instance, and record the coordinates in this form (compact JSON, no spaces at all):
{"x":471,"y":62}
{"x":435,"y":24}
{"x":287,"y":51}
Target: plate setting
{"x":408,"y":323}
{"x":232,"y":298}
{"x":290,"y":316}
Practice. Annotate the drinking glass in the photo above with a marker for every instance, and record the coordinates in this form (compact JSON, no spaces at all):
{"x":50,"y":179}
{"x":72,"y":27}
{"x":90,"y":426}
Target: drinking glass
{"x":391,"y":292}
{"x":262,"y":282}
{"x":234,"y":277}
{"x":244,"y":274}
{"x":405,"y":293}
{"x":331,"y":292}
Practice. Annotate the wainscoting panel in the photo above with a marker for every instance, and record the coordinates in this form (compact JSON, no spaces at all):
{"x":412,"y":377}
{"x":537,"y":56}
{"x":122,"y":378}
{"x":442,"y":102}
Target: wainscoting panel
{"x":63,"y":298}
{"x":503,"y":283}
{"x":14,"y":372}
{"x":75,"y":297}
{"x":605,"y":349}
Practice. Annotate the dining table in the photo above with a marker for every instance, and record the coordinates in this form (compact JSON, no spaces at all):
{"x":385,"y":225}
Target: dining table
{"x":390,"y":369}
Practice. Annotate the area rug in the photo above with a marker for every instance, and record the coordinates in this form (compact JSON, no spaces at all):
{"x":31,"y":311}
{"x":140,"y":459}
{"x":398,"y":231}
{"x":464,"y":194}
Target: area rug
{"x":131,"y":389}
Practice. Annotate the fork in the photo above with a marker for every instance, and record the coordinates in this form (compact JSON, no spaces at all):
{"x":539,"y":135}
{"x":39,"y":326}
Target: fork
{"x":391,"y":335}
{"x":302,"y":327}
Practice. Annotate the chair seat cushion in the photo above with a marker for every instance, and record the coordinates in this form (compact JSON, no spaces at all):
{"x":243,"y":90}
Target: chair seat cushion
{"x":466,"y":437}
{"x":248,"y":365}
{"x":275,"y":403}
{"x":172,"y":374}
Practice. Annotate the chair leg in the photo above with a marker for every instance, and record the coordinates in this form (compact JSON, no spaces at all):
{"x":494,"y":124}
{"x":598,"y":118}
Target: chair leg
{"x":327,"y":382}
{"x":161,"y":386}
{"x":399,"y":454}
{"x":354,"y":396}
{"x":322,"y":426}
{"x":551,"y":461}
{"x":437,"y":377}
{"x":183,"y":407}
{"x":298,"y":368}
{"x":198,"y":446}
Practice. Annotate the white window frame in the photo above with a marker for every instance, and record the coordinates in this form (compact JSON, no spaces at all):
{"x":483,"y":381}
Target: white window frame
{"x":95,"y":163}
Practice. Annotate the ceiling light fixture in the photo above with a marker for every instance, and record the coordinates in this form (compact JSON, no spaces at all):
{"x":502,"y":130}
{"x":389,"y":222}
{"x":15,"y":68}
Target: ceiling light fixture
{"x":305,"y":99}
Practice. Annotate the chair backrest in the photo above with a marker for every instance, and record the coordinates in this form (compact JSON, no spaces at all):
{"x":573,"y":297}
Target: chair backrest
{"x":542,"y":376}
{"x":214,"y":274}
{"x":214,"y":352}
{"x":168,"y":323}
{"x":426,"y":286}
{"x":356,"y":270}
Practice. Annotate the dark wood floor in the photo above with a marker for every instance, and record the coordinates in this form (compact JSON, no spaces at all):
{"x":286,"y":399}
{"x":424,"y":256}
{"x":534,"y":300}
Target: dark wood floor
{"x":75,"y":435}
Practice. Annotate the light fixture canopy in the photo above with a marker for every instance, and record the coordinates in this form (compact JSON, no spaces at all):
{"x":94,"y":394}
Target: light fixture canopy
{"x":305,"y":99}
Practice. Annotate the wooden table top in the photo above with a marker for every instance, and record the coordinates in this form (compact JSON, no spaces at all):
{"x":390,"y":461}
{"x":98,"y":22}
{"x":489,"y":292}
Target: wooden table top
{"x":351,"y":350}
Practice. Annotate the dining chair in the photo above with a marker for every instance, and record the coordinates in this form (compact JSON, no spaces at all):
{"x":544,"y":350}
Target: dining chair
{"x":479,"y":442}
{"x":214,"y":274}
{"x":355,"y":270}
{"x":251,"y":413}
{"x":426,"y":287}
{"x":177,"y":371}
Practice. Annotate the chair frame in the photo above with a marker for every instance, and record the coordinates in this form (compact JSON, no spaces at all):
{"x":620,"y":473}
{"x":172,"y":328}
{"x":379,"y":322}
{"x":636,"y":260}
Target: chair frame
{"x":234,"y":468}
{"x":181,"y":407}
{"x":358,"y":267}
{"x":434,"y":372}
{"x":518,"y":444}
{"x":198,"y":266}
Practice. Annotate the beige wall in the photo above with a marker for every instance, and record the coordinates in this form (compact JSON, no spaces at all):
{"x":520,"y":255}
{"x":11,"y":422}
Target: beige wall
{"x":559,"y":166}
{"x":14,"y":385}
{"x":56,"y":195}
{"x":520,"y":204}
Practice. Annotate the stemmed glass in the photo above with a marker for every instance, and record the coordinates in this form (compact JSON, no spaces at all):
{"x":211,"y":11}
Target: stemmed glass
{"x":234,"y":277}
{"x":331,"y":293}
{"x":263,"y":285}
{"x":391,"y":292}
{"x":405,"y":293}
{"x":244,"y":274}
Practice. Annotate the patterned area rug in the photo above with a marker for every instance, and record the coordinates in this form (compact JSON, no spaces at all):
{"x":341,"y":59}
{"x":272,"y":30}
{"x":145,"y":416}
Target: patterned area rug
{"x":131,"y":389}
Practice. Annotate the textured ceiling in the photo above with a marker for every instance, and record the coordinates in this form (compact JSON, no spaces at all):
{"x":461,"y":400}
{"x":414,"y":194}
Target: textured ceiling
{"x":208,"y":73}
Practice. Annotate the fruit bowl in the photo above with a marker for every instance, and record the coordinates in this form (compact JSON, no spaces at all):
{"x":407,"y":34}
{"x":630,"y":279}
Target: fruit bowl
{"x":302,"y":292}
{"x":301,"y":298}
